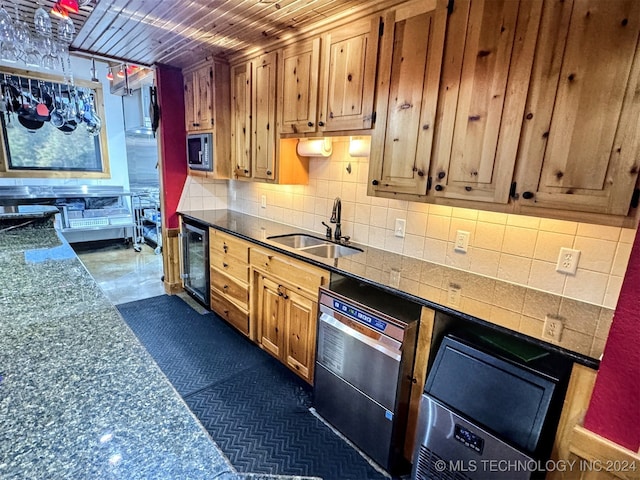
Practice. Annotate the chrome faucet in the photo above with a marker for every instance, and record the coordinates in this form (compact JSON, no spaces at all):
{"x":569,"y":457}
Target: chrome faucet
{"x":336,"y":213}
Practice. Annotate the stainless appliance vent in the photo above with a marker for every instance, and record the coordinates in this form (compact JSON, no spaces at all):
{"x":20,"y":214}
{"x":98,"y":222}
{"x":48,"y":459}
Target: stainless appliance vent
{"x":432,"y":467}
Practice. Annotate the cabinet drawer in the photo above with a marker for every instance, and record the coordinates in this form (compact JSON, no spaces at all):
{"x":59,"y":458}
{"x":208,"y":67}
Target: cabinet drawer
{"x":224,"y":244}
{"x":231,"y":266}
{"x":230,"y":288}
{"x":230,"y":312}
{"x":296,"y":273}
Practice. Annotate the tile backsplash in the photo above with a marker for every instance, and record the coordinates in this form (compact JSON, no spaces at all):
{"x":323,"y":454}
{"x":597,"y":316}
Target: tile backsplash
{"x":518,"y":249}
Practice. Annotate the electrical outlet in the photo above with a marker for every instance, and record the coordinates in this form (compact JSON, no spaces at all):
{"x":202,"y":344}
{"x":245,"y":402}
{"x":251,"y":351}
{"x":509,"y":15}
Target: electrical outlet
{"x":401,"y":227}
{"x":394,"y":278}
{"x":454,"y":295}
{"x":552,"y":329}
{"x":233,"y":195}
{"x":263,"y":201}
{"x":462,"y":241}
{"x":568,"y":261}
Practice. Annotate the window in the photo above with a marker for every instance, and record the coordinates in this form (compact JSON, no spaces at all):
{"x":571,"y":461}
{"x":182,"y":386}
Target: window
{"x":51,"y":128}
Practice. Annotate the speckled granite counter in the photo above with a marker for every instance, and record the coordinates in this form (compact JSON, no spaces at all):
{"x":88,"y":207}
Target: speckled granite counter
{"x":497,"y":303}
{"x":80,"y":397}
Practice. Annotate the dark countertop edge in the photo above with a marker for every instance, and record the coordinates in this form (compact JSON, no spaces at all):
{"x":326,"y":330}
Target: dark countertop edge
{"x":29,"y":212}
{"x":574,"y":356}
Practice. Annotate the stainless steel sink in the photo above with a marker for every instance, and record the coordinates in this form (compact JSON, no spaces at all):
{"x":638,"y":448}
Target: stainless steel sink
{"x":315,"y":245}
{"x":298,"y":240}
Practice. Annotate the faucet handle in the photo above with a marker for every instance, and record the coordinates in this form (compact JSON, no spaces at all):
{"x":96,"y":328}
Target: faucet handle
{"x":344,"y":239}
{"x":328,"y":233}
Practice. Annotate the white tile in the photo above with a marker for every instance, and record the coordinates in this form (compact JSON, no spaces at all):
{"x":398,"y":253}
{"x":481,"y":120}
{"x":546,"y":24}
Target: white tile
{"x":416,"y":223}
{"x":360,"y":233}
{"x":514,"y":269}
{"x":419,"y":207}
{"x":543,"y":276}
{"x":361,"y":194}
{"x":523,"y":221}
{"x":334,"y":190}
{"x":438,"y":227}
{"x":621,"y":259}
{"x":380,"y":202}
{"x":627,"y":235}
{"x":348,"y":212}
{"x":377,"y":236}
{"x":462,"y":224}
{"x":392,"y":215}
{"x":457,"y":259}
{"x":612,"y":294}
{"x":414,"y":246}
{"x":595,"y":254}
{"x":485,"y":262}
{"x":322,"y":188}
{"x":440,"y":210}
{"x":602,"y":232}
{"x":466,"y":213}
{"x":309,"y":204}
{"x":398,"y":204}
{"x":378,"y":217}
{"x":587,"y":286}
{"x":548,"y":245}
{"x":392,"y":243}
{"x":519,"y":241}
{"x":489,"y":236}
{"x":435,"y":250}
{"x":348,"y":193}
{"x":558,"y":226}
{"x":493,"y":217}
{"x":363,"y":213}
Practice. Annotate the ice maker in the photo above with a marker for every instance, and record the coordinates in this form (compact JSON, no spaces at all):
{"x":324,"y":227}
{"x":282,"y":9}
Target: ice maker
{"x":486,"y":413}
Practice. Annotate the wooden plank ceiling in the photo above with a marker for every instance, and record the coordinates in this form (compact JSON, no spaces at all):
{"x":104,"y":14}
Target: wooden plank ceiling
{"x":181,"y":32}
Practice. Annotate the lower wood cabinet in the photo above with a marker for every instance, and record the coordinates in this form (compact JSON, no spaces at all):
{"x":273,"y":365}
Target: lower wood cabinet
{"x":229,"y":278}
{"x":284,"y":312}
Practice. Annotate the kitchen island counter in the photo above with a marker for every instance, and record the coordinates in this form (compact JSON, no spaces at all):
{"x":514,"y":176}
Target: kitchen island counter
{"x":80,"y":397}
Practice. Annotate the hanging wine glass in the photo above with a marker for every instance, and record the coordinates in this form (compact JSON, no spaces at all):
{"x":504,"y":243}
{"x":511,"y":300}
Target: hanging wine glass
{"x":7,"y":32}
{"x":22,"y":34}
{"x":42,"y":21}
{"x":8,"y":52}
{"x":66,"y":30}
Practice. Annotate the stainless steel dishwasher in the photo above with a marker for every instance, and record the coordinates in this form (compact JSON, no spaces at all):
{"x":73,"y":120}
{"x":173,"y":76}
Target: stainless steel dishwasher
{"x":364,"y":367}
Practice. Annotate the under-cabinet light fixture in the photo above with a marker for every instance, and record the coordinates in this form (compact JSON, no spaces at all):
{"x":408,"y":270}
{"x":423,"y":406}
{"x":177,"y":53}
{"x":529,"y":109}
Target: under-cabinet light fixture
{"x":314,"y":147}
{"x":359,"y":146}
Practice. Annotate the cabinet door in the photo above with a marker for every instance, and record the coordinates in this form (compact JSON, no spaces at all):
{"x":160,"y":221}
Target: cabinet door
{"x":349,"y":75}
{"x":485,"y":75}
{"x":190,"y":101}
{"x":270,"y":317}
{"x":241,"y":120}
{"x":579,"y":147}
{"x":410,"y":60}
{"x":299,"y":67}
{"x":300,"y":334}
{"x":204,"y":98}
{"x":264,"y":117}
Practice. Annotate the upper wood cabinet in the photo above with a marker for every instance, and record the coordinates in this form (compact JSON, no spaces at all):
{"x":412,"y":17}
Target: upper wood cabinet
{"x":263,"y":116}
{"x":198,"y":99}
{"x":485,"y":76}
{"x":348,"y":79}
{"x":299,"y":70}
{"x":408,"y":80}
{"x":579,"y":149}
{"x":208,"y":109}
{"x":241,"y":120}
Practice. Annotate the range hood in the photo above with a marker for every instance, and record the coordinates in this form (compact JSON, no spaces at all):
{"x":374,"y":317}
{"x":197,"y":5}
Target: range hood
{"x":137,"y":113}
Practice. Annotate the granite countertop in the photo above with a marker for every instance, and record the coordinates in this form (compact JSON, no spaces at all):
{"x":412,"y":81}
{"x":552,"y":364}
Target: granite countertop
{"x":80,"y":397}
{"x":508,"y":307}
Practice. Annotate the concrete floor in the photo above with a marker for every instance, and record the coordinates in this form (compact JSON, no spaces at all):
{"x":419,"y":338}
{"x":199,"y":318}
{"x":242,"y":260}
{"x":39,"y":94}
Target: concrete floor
{"x":123,"y":274}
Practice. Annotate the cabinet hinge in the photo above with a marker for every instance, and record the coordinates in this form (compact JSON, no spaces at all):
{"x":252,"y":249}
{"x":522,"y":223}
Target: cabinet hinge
{"x":381,"y":29}
{"x":635,"y":198}
{"x":373,"y":117}
{"x":429,"y":181}
{"x":450,"y":7}
{"x":512,"y":191}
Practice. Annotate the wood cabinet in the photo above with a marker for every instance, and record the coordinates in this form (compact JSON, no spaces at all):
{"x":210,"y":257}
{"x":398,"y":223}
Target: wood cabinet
{"x":241,"y":120}
{"x":408,"y":80}
{"x":299,"y":69}
{"x":347,"y":87}
{"x":229,"y":278}
{"x":285,"y":308}
{"x":580,"y":140}
{"x":485,"y":76}
{"x":208,"y":109}
{"x":263,"y":116}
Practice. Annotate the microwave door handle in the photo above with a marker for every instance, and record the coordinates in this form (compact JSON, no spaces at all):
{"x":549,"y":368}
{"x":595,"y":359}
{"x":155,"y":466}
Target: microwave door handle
{"x":200,"y":157}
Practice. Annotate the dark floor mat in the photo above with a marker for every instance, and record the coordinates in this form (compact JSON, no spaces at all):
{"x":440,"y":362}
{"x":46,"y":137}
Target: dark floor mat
{"x":255,"y":409}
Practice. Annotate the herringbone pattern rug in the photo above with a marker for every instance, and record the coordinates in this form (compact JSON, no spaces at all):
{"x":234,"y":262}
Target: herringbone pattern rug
{"x":254,"y":408}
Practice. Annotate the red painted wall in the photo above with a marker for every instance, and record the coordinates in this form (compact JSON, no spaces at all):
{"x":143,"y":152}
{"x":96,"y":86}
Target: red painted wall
{"x":614,"y":411}
{"x":172,"y":140}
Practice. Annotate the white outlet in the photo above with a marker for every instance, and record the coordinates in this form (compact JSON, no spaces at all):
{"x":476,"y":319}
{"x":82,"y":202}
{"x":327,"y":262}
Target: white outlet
{"x":454,"y":295}
{"x":401,"y":227}
{"x":552,"y":329}
{"x":263,"y":201}
{"x":233,"y":195}
{"x":568,"y":261}
{"x":462,"y":241}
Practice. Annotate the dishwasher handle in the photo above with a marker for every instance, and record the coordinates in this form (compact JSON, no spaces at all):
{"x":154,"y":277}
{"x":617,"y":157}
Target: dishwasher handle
{"x":392,"y":350}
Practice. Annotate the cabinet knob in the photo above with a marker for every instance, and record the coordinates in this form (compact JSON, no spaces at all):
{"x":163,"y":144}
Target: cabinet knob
{"x":527,"y":195}
{"x":224,"y":287}
{"x":269,"y":172}
{"x":225,"y":265}
{"x":374,"y":182}
{"x":310,"y":124}
{"x":196,"y":124}
{"x":439,"y":188}
{"x":441,"y":175}
{"x":321,"y":124}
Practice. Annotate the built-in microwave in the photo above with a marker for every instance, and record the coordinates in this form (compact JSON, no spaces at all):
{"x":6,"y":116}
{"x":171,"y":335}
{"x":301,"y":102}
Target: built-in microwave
{"x":200,"y":151}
